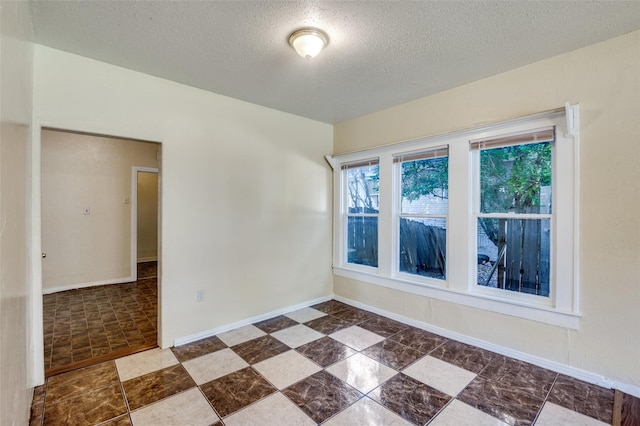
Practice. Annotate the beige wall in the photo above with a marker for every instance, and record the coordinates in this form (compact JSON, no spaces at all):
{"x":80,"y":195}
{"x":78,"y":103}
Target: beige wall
{"x":147,"y":216}
{"x":16,"y":295}
{"x":605,"y":80}
{"x":245,"y":195}
{"x":83,"y":171}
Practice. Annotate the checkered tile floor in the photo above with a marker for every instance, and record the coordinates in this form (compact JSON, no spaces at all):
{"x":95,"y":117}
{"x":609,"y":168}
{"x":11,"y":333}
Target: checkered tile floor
{"x":330,"y":364}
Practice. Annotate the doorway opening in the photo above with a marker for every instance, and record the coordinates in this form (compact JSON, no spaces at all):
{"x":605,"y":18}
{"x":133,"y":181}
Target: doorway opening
{"x":99,"y":303}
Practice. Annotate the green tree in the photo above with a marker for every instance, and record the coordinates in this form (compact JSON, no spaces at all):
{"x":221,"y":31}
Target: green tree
{"x":425,"y":177}
{"x":510,"y":180}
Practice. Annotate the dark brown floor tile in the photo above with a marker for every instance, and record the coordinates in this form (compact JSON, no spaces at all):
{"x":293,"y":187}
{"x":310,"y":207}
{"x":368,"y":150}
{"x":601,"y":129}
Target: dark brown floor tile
{"x":585,"y":398}
{"x":93,"y":313}
{"x":103,"y":404}
{"x":134,"y":341}
{"x":330,"y":306}
{"x":81,"y":355}
{"x":418,"y":339}
{"x":353,"y":316}
{"x":520,"y":375}
{"x":103,"y":350}
{"x":465,"y":356}
{"x":147,"y":270}
{"x":322,"y":395}
{"x":393,"y":354}
{"x":39,"y":394}
{"x":259,"y":349}
{"x":60,"y":361}
{"x":327,"y":324}
{"x":67,"y":412}
{"x":510,"y":405}
{"x":79,"y":382}
{"x":119,"y":421}
{"x":325,"y":351}
{"x":275,"y":324}
{"x":37,"y":406}
{"x":234,"y":391}
{"x":90,"y":408}
{"x":155,"y":386}
{"x":198,"y":348}
{"x":630,"y":415}
{"x":382,"y":326}
{"x":410,"y":399}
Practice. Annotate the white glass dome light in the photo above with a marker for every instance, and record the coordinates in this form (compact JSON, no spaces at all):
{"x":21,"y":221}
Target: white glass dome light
{"x":308,"y":42}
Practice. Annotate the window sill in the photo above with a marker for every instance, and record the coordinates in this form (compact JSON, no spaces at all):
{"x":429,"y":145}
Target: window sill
{"x":543,"y":314}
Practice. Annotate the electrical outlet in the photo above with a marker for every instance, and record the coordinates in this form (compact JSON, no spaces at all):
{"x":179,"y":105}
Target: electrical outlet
{"x":200,"y":295}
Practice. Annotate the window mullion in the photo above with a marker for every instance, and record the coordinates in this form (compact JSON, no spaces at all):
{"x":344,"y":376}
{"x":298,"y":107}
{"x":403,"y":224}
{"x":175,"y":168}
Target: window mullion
{"x":385,"y":218}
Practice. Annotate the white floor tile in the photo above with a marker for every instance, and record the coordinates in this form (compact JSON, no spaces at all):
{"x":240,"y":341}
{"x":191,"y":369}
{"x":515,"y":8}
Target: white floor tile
{"x":297,"y":335}
{"x":305,"y":314}
{"x":362,"y":372}
{"x":275,"y":410}
{"x":366,"y":412}
{"x":555,"y":415}
{"x":189,"y":408}
{"x":356,"y":337}
{"x":144,"y":362}
{"x":214,"y":365}
{"x":441,"y":375}
{"x":286,"y":369}
{"x":458,"y":413}
{"x":241,"y":335}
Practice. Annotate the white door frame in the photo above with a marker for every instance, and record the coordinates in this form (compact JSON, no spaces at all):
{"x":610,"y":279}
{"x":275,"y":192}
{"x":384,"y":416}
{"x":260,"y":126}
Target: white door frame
{"x":134,"y":216}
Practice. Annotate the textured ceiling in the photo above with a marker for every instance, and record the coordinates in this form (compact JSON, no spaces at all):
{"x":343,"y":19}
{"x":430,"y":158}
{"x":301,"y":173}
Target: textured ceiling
{"x":380,"y":54}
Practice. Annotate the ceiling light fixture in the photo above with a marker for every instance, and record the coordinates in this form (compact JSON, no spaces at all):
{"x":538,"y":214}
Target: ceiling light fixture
{"x":308,"y":42}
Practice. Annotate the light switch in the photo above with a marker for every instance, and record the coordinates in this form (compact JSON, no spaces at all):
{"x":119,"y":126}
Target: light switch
{"x":126,"y":200}
{"x":86,"y":211}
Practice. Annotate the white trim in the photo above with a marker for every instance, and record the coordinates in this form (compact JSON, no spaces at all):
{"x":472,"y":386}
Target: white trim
{"x":561,"y":308}
{"x":89,"y":284}
{"x":134,"y":216}
{"x":35,"y":263}
{"x":148,"y":259}
{"x":587,"y":376}
{"x":485,"y":302}
{"x":248,"y":321}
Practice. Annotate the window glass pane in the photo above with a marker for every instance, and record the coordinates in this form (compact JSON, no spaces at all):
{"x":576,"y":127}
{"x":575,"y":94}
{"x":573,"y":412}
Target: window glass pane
{"x":513,"y":254}
{"x":362,"y":240}
{"x":516,"y":179}
{"x":362,"y":189}
{"x":423,"y":246}
{"x":425,"y":186}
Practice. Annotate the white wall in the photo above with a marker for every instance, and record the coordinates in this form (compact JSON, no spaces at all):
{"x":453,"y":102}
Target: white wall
{"x":84,"y":171}
{"x":16,"y":296}
{"x":245,"y":201}
{"x":605,"y":80}
{"x":147,"y":216}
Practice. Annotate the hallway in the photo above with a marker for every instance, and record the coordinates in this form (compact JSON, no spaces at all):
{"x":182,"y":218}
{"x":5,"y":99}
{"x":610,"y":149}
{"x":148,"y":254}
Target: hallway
{"x":93,"y":324}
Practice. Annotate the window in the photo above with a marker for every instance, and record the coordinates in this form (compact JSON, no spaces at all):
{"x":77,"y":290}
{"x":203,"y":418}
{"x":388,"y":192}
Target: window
{"x":483,"y":217}
{"x":422,"y":219}
{"x":361,"y":211}
{"x":513,"y":211}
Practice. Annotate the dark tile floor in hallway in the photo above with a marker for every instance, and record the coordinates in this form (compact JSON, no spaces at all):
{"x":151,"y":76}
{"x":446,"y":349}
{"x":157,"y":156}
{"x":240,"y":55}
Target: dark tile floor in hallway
{"x":330,"y":364}
{"x":95,"y":321}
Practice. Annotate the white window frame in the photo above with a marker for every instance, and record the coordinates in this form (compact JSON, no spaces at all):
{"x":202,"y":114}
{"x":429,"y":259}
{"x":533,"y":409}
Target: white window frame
{"x":561,"y":308}
{"x":398,"y":215}
{"x":345,"y":213}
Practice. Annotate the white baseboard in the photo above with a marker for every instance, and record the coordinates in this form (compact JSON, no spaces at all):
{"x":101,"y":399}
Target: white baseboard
{"x":147,"y":259}
{"x":91,"y":284}
{"x":228,"y":327}
{"x":577,"y":373}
